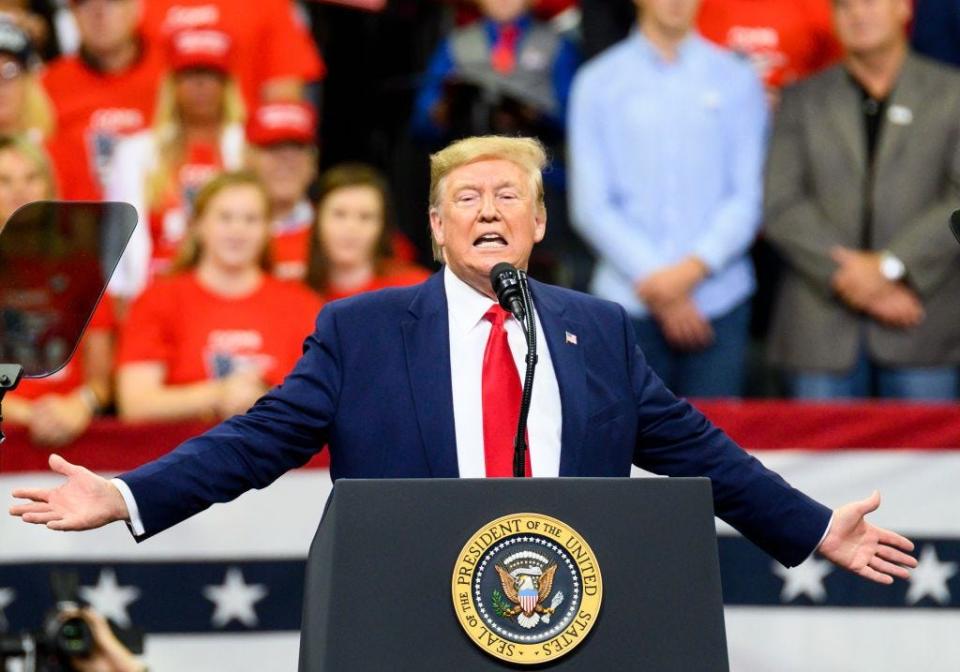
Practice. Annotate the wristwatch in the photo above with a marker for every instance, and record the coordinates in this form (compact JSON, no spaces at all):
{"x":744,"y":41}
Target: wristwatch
{"x":891,"y":267}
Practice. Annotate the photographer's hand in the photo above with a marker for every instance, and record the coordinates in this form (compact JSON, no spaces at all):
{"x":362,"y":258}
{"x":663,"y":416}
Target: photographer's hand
{"x":108,"y":653}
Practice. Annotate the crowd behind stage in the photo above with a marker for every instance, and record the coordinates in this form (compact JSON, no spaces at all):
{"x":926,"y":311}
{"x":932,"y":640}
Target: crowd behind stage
{"x":764,"y":186}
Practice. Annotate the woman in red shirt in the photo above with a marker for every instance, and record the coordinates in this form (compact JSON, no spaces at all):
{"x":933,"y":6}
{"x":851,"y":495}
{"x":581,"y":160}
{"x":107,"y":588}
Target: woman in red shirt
{"x":351,"y":247}
{"x":208,"y":340}
{"x":58,"y":408}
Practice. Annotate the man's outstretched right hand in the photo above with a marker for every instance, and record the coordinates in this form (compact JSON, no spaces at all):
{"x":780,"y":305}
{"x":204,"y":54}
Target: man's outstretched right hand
{"x":86,"y":501}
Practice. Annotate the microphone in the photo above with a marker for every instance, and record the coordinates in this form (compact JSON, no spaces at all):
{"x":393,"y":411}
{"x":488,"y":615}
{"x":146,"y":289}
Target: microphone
{"x":955,"y":224}
{"x":505,"y":281}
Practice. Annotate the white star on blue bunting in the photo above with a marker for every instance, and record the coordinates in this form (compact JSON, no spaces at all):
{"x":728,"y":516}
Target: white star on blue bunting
{"x":110,"y":598}
{"x":234,"y":599}
{"x":804,"y":579}
{"x":930,"y":577}
{"x":6,"y":599}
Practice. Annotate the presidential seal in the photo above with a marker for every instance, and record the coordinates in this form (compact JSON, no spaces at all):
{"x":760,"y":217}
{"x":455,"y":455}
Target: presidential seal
{"x":527,"y":588}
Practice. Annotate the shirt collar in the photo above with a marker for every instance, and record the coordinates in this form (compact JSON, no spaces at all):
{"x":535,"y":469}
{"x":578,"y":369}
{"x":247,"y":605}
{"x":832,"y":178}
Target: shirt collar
{"x":465,"y":305}
{"x":684,"y":50}
{"x":523,"y":24}
{"x":301,"y":215}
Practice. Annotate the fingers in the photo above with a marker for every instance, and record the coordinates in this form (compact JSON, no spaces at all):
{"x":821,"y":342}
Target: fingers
{"x":893,"y":539}
{"x":66,"y":525}
{"x":686,"y":329}
{"x":37,"y":507}
{"x":840,"y":254}
{"x":872,"y":574}
{"x":704,"y":333}
{"x":42,"y":518}
{"x":61,"y":466}
{"x":899,"y":557}
{"x":889,"y":568}
{"x":35,"y":494}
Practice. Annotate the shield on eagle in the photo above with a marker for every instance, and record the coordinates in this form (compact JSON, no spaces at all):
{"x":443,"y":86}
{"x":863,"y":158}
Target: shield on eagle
{"x":529,"y":597}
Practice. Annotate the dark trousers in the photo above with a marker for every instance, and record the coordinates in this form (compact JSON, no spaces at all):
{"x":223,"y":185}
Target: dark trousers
{"x":717,"y":371}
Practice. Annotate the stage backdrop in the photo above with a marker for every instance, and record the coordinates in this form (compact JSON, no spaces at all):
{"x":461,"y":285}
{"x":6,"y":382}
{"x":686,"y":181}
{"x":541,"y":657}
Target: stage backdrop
{"x":223,"y":590}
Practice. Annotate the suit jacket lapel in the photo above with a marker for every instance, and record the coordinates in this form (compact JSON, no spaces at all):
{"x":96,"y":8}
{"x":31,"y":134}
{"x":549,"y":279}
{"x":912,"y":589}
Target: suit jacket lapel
{"x":426,"y":340}
{"x":570,"y":368}
{"x":844,"y":111}
{"x":906,"y":101}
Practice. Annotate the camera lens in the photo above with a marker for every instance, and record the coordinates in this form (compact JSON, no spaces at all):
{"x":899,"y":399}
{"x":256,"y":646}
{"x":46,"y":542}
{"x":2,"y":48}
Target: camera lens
{"x":74,"y":638}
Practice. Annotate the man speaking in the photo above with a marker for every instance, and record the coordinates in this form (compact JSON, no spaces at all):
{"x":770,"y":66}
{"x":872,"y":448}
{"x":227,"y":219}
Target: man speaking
{"x":422,"y":382}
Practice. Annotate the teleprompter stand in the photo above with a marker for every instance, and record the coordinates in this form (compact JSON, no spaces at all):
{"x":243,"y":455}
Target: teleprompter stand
{"x":378,"y":580}
{"x":9,"y":379}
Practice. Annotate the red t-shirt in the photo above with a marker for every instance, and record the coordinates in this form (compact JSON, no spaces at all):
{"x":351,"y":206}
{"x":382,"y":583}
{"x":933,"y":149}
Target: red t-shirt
{"x":269,"y":40}
{"x":71,"y":376}
{"x":786,"y":40}
{"x":199,"y":335}
{"x":289,"y":251}
{"x":92,"y":112}
{"x":393,"y":275}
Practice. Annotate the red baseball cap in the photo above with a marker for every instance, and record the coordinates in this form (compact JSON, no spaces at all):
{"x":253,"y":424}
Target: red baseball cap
{"x":200,"y":48}
{"x":273,"y":123}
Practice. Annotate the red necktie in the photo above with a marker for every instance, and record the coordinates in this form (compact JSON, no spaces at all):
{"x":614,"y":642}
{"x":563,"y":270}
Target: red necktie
{"x":501,"y":398}
{"x":503,"y":56}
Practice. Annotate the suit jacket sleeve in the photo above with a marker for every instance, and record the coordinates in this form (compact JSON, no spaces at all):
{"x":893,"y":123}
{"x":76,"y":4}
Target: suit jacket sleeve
{"x":283,"y":430}
{"x":675,"y":439}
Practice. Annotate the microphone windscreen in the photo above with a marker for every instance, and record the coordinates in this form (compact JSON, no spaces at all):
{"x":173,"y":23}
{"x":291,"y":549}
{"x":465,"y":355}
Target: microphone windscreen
{"x":498,"y":269}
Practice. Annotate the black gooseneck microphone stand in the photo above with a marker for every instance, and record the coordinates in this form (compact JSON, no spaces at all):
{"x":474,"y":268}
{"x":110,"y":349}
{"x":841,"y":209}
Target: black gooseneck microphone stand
{"x":530,"y":330}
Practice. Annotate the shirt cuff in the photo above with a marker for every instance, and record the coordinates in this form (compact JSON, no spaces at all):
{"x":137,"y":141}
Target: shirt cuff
{"x":135,"y":524}
{"x":823,"y":536}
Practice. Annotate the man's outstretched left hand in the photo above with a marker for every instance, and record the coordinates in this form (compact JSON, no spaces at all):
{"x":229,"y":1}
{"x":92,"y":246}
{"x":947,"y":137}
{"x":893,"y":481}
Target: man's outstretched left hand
{"x":870,"y":551}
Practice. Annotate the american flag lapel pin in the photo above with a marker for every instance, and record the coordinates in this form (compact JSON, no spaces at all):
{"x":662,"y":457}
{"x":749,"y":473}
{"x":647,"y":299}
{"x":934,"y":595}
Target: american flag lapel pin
{"x":570,"y":339}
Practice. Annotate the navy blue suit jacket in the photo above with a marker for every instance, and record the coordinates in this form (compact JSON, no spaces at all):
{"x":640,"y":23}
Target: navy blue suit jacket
{"x":374,"y":384}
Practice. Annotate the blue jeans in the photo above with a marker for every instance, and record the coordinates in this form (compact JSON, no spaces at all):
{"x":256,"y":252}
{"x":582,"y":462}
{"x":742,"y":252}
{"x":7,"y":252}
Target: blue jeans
{"x":717,"y":371}
{"x":868,"y":379}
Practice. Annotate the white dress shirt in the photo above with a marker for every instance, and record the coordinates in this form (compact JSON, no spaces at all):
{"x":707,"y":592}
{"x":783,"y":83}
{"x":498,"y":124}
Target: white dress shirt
{"x":468,"y":341}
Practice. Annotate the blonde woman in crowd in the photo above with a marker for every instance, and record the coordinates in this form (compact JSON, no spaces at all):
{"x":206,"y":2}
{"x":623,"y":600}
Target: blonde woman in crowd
{"x":59,"y":408}
{"x":24,"y":106}
{"x":208,"y":340}
{"x":351,"y":247}
{"x":198,"y":131}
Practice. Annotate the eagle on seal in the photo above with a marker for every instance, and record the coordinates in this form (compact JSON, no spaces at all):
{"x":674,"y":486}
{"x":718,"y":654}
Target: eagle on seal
{"x":527,"y":588}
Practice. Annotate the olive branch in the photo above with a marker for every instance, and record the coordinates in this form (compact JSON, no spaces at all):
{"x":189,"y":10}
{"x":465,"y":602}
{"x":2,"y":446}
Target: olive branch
{"x":500,"y":605}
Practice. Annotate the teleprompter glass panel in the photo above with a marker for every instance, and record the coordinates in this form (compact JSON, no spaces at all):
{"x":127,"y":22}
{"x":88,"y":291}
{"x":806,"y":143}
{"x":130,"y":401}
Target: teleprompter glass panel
{"x":56,"y":258}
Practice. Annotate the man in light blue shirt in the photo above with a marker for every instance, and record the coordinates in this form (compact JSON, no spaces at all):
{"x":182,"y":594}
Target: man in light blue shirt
{"x":667,"y":139}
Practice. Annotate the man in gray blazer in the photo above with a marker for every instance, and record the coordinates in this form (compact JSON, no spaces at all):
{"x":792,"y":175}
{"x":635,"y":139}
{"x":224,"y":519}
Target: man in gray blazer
{"x":863,"y":173}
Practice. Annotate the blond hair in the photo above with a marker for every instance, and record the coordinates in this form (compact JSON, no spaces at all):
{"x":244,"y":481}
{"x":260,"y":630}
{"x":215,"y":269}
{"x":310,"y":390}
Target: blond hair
{"x":24,"y":146}
{"x":168,"y":131}
{"x":37,"y":113}
{"x":188,"y":256}
{"x":527,"y":153}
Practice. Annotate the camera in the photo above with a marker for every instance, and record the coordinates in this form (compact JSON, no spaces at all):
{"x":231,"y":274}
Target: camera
{"x":60,"y":639}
